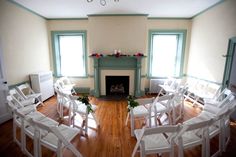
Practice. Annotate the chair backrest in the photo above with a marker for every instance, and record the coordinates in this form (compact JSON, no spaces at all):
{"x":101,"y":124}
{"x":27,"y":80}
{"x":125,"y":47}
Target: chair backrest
{"x":14,"y":93}
{"x":165,"y":100}
{"x":226,"y":100}
{"x":75,"y":103}
{"x":13,"y":103}
{"x":24,"y":89}
{"x":199,"y":127}
{"x":60,"y":137}
{"x":171,"y":130}
{"x":223,"y":94}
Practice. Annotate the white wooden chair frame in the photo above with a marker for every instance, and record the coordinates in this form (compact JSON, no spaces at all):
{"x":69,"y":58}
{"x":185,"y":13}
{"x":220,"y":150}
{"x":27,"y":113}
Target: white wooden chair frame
{"x":160,"y":132}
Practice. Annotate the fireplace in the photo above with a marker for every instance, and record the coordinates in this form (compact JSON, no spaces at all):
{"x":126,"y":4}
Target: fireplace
{"x":117,"y":85}
{"x":117,"y":66}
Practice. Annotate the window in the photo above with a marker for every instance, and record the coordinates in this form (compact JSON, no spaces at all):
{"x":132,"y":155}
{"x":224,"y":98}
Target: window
{"x":69,"y":53}
{"x":166,"y":53}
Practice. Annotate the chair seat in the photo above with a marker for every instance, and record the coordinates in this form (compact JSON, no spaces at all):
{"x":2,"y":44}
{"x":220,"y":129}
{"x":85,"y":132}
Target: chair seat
{"x":168,"y":89}
{"x":27,"y":109}
{"x":154,"y":141}
{"x":68,"y":132}
{"x":140,"y":111}
{"x":160,"y":107}
{"x":35,"y":95}
{"x":82,"y":108}
{"x":190,"y":138}
{"x":28,"y":102}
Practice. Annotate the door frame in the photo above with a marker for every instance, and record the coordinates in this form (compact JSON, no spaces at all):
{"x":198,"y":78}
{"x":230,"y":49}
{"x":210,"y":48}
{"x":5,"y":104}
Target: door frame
{"x":4,"y":116}
{"x":229,"y":61}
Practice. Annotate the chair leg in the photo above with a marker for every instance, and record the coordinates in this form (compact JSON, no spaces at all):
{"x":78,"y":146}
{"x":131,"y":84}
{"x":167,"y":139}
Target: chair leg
{"x":86,"y":124}
{"x":127,"y":119}
{"x":142,"y":149}
{"x":95,"y":118}
{"x":132,"y":125}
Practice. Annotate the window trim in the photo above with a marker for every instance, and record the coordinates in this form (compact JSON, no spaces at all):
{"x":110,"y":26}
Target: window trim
{"x":56,"y":53}
{"x":180,"y":54}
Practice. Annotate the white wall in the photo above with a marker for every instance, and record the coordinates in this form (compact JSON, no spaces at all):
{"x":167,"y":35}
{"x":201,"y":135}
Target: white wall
{"x":210,"y":34}
{"x":24,"y":40}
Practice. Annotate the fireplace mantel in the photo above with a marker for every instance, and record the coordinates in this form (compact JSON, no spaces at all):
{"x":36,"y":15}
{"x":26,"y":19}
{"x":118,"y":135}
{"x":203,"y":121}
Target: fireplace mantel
{"x":118,"y":63}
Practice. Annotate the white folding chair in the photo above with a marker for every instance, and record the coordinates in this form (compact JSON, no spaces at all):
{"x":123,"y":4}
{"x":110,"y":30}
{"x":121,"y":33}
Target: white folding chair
{"x":56,"y":138}
{"x":140,"y":111}
{"x":17,"y":96}
{"x":27,"y":93}
{"x":169,"y":86}
{"x":161,"y":105}
{"x":219,"y":97}
{"x":155,"y":140}
{"x":20,"y":120}
{"x":178,"y":104}
{"x":63,"y":101}
{"x":65,"y":85}
{"x":81,"y":109}
{"x":191,"y":135}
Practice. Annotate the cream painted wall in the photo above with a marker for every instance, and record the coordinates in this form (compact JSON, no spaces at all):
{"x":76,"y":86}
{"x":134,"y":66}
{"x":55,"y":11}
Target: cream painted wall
{"x":75,"y":25}
{"x":172,"y":24}
{"x":24,"y":40}
{"x":210,"y":34}
{"x":127,"y":33}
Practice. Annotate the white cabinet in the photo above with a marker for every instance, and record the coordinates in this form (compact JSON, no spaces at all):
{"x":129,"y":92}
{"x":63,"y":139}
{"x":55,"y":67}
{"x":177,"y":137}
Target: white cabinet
{"x":42,"y":82}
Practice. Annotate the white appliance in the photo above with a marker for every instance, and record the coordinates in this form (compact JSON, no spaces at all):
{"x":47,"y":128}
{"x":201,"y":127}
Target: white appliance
{"x":42,"y":82}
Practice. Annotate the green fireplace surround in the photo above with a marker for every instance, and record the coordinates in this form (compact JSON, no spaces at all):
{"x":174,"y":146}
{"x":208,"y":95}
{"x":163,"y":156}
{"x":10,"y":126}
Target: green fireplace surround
{"x":118,"y":63}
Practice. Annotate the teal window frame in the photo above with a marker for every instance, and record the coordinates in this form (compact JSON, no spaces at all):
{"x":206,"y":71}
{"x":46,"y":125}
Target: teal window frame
{"x":180,"y":50}
{"x":56,"y":50}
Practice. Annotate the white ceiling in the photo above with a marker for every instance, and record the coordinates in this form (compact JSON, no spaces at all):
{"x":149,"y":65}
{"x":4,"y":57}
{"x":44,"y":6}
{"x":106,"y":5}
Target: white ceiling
{"x":81,"y":8}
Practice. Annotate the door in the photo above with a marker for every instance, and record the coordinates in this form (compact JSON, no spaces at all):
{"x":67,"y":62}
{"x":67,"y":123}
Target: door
{"x":4,"y":113}
{"x":230,"y":69}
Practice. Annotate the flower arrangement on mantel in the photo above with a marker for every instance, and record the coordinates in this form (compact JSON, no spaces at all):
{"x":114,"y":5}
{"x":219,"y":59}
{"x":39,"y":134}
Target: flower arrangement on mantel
{"x":116,"y":54}
{"x":85,"y":100}
{"x":131,"y":102}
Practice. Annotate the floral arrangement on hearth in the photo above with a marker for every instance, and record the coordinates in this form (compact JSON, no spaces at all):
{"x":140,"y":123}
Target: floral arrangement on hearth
{"x":85,"y":100}
{"x":116,"y":53}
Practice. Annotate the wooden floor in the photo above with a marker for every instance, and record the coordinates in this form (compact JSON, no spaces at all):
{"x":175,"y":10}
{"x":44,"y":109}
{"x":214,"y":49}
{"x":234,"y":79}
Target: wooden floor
{"x":111,"y":139}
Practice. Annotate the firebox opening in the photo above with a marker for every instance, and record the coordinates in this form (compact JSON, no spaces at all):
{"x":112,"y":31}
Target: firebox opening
{"x":117,"y":85}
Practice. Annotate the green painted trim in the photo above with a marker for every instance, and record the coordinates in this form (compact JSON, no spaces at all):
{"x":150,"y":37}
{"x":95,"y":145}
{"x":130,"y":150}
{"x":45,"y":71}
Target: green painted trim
{"x":120,"y":63}
{"x":14,"y":85}
{"x":203,"y":79}
{"x":95,"y":15}
{"x":182,"y":33}
{"x":56,"y":54}
{"x":84,"y":90}
{"x":203,"y":11}
{"x":27,"y":9}
{"x":169,"y":18}
{"x":85,"y":18}
{"x":229,"y":61}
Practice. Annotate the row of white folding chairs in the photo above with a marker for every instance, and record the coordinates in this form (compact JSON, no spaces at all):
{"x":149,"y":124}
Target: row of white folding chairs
{"x":26,"y":95}
{"x":199,"y":89}
{"x":196,"y":131}
{"x":42,"y":130}
{"x":154,"y":108}
{"x":216,"y":110}
{"x":75,"y":108}
{"x":65,"y":85}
